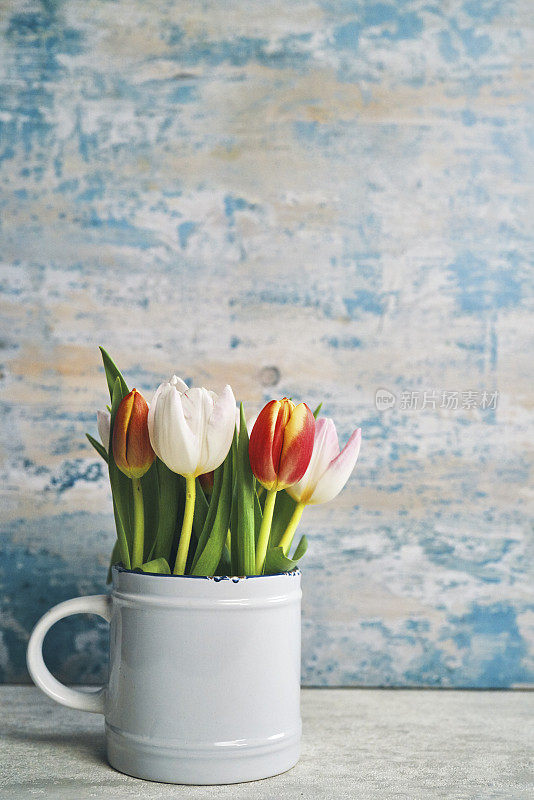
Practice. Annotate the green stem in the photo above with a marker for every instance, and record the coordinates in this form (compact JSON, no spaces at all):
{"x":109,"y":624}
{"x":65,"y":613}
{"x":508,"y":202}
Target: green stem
{"x":287,"y":538}
{"x":265,"y":530}
{"x":139,"y":524}
{"x":187,"y":526}
{"x":121,"y":538}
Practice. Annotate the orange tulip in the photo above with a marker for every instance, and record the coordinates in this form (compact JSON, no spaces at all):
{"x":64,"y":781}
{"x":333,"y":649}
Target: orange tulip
{"x":132,"y":450}
{"x":281,"y":443}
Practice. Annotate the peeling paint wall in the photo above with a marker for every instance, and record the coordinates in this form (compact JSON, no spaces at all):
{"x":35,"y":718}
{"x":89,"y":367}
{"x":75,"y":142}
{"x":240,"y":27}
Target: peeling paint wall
{"x":316,"y":199}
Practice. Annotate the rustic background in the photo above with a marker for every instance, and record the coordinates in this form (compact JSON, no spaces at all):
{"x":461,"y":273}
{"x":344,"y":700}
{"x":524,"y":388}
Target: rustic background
{"x":316,"y":199}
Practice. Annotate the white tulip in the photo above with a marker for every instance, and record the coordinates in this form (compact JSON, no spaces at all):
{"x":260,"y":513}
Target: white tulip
{"x":191,"y":430}
{"x":103,"y":423}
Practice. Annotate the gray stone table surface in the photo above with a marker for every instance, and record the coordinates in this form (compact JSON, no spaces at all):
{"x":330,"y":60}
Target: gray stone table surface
{"x":357,"y":743}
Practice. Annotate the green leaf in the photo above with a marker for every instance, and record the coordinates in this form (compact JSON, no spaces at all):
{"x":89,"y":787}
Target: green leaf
{"x":234,"y":541}
{"x":121,"y":487}
{"x":276,"y":561}
{"x":149,"y":486}
{"x":246,"y":495}
{"x":121,"y":537}
{"x":115,"y":559}
{"x":100,"y":449}
{"x":224,"y":567}
{"x":212,"y":511}
{"x":112,"y":373}
{"x":300,"y":549}
{"x":316,"y":412}
{"x":213,"y":549}
{"x":283,"y":511}
{"x":201,"y":509}
{"x":171,"y":500}
{"x":258,"y":516}
{"x":159,"y":566}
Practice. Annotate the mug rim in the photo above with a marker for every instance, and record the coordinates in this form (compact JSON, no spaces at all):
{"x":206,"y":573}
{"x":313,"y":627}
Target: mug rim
{"x":118,"y":568}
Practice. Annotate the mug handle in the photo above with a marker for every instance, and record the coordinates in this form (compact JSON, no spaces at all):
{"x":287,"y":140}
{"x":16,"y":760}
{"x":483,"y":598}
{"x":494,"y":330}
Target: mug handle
{"x":74,"y":698}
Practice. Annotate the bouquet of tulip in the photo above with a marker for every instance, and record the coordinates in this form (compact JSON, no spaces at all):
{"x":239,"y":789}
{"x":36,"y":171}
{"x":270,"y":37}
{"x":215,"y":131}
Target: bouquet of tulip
{"x":192,"y":490}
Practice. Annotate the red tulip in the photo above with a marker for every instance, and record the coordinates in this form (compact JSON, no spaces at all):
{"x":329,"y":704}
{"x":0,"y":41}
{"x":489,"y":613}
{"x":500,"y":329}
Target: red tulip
{"x":132,"y":450}
{"x":281,"y":443}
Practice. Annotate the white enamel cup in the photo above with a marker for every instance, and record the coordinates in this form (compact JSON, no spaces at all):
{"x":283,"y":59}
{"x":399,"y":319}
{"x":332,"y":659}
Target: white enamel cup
{"x":204,"y":683}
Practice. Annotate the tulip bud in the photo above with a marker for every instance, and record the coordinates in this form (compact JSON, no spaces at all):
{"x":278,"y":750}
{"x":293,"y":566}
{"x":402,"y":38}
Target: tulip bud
{"x":132,"y":450}
{"x":206,"y":481}
{"x":281,"y":443}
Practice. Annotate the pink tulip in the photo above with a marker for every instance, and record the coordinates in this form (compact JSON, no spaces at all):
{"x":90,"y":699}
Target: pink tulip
{"x":329,"y":469}
{"x":327,"y":473}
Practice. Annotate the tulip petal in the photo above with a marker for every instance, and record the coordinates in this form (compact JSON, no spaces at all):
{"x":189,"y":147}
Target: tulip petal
{"x":191,"y":432}
{"x":179,"y":384}
{"x":262,"y":444}
{"x":297,"y":446}
{"x":219,"y":431}
{"x":325,"y":449}
{"x":170,"y":435}
{"x":156,"y":431}
{"x":338,"y":471}
{"x":139,"y":453}
{"x":181,"y":444}
{"x":197,"y":405}
{"x":120,"y":431}
{"x":103,"y":423}
{"x":152,"y":430}
{"x":132,"y":450}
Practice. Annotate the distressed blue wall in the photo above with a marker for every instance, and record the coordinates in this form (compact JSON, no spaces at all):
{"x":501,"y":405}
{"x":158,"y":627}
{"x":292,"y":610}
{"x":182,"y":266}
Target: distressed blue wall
{"x":315,"y":199}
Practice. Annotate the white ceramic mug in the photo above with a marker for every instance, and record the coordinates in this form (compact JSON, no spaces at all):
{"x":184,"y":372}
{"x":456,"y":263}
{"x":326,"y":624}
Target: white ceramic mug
{"x":204,"y":683}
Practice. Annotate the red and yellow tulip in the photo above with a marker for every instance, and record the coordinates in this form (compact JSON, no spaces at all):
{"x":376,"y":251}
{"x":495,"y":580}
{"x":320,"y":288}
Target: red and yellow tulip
{"x":280,"y":448}
{"x":281,"y":443}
